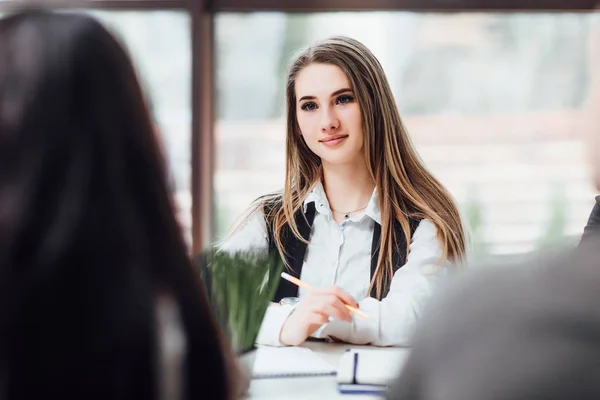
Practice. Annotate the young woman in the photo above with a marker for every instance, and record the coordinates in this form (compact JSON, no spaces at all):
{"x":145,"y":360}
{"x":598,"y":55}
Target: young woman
{"x":360,"y":218}
{"x":98,"y":297}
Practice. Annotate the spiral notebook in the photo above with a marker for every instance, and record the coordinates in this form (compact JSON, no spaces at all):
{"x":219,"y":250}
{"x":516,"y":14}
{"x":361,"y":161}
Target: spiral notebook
{"x":283,"y":362}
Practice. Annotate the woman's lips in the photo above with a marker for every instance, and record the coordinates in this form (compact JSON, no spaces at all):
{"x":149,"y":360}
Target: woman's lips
{"x":334,"y":140}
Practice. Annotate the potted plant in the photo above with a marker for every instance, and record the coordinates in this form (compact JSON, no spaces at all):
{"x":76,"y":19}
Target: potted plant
{"x":239,"y":287}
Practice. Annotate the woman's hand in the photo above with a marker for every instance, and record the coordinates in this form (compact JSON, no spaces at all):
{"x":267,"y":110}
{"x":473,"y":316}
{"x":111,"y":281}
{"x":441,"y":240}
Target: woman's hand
{"x":313,"y":310}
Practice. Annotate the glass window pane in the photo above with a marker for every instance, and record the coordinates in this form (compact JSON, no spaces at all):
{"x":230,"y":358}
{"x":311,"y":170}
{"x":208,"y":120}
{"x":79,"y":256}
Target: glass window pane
{"x":497,"y":105}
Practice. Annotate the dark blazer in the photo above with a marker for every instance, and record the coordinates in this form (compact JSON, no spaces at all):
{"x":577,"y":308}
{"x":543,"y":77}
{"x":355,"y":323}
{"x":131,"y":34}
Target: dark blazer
{"x":529,"y":331}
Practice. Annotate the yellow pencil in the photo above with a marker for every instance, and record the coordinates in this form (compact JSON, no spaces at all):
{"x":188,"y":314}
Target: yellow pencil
{"x":306,"y":286}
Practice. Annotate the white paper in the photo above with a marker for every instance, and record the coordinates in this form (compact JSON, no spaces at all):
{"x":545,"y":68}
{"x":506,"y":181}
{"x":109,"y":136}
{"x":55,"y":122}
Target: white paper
{"x":289,"y":361}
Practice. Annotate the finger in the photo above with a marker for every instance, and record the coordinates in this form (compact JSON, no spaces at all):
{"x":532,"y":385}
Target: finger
{"x":344,"y":296}
{"x":337,"y":311}
{"x":317,"y":318}
{"x":308,"y":300}
{"x":329,"y":298}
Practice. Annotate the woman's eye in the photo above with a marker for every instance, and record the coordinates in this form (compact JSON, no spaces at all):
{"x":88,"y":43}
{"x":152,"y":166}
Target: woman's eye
{"x":310,"y":106}
{"x":345,"y":99}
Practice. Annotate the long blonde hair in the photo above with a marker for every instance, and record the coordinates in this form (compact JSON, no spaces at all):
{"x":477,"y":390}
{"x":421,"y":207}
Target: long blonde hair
{"x":405,"y":188}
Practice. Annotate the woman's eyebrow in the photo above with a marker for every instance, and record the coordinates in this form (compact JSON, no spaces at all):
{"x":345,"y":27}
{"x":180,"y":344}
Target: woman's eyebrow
{"x":339,"y":91}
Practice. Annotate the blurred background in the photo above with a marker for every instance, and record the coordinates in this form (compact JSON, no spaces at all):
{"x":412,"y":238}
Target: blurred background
{"x":497,"y":104}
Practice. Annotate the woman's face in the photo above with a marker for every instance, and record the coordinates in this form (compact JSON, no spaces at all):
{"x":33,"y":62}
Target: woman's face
{"x":329,"y":115}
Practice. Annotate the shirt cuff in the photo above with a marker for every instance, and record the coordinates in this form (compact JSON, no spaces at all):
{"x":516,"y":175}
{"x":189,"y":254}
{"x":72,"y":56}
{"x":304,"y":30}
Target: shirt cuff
{"x":318,"y":334}
{"x":270,"y":329}
{"x":359,"y":331}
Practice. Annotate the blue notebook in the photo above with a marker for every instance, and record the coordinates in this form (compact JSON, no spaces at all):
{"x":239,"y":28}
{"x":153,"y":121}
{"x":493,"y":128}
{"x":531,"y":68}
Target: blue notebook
{"x":370,"y":371}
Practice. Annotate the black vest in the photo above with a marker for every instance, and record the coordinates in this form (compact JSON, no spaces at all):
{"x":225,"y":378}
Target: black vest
{"x":296,"y":249}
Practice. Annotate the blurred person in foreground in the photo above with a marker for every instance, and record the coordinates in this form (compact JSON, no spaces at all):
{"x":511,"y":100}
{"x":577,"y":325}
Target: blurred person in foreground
{"x":526,"y":331}
{"x":95,"y":280}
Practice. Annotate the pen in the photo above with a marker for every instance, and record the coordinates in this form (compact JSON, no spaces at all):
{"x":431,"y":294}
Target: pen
{"x":306,"y":286}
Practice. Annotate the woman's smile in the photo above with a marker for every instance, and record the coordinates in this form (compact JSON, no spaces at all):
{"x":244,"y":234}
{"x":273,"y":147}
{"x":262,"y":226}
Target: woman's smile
{"x":333,"y":140}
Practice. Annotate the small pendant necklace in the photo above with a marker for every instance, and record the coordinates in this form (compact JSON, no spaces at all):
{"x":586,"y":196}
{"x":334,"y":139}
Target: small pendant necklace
{"x":347,"y":214}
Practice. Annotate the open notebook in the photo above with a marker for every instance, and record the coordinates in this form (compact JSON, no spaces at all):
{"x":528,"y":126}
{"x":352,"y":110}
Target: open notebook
{"x":274,"y":362}
{"x":370,"y":370}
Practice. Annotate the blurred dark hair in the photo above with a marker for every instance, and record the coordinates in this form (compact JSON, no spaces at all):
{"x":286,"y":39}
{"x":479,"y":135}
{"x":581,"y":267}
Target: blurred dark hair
{"x":88,"y":236}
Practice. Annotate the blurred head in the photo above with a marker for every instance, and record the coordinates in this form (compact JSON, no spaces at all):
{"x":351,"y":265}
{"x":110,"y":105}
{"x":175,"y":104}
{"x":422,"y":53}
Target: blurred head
{"x":526,"y":330}
{"x":340,"y":110}
{"x":76,"y":139}
{"x":88,"y":238}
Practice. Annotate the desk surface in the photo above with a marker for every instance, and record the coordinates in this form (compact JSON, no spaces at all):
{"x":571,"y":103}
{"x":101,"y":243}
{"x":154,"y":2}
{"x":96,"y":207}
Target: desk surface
{"x":317,"y":387}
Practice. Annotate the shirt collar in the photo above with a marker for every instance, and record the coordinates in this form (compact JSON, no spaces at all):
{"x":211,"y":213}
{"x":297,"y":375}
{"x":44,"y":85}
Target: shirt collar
{"x":317,"y":195}
{"x":372,"y":209}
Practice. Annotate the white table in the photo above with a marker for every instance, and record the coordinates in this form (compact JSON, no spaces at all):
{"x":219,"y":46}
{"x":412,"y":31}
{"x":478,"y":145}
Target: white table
{"x":317,"y":387}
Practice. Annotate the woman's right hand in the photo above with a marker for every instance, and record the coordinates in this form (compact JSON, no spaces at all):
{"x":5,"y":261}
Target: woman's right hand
{"x":313,"y":310}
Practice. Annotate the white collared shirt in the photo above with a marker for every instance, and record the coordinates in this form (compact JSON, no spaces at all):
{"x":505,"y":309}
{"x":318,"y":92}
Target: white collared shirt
{"x":341,"y":255}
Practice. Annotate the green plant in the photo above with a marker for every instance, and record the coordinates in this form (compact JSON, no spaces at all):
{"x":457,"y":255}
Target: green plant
{"x":240,"y":287}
